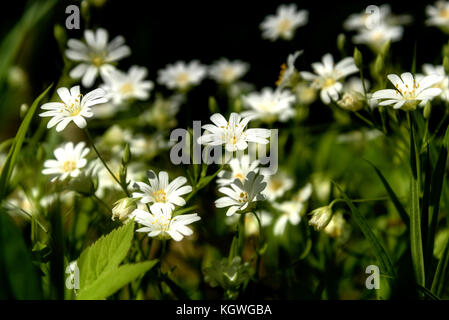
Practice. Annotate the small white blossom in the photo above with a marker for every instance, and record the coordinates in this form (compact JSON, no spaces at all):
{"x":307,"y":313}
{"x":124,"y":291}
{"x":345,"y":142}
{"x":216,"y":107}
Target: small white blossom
{"x":162,"y":192}
{"x":438,"y":15}
{"x":240,"y":167}
{"x":69,"y":161}
{"x":181,"y":75}
{"x":233,"y":133}
{"x":327,"y":76}
{"x":121,"y":86}
{"x":284,"y":23}
{"x":225,"y":71}
{"x":239,"y":195}
{"x":443,"y":84}
{"x":161,"y":224}
{"x":373,"y":16}
{"x":288,"y":70}
{"x":409,"y":91}
{"x":74,"y":107}
{"x":269,"y":105}
{"x":290,"y":213}
{"x":96,"y":55}
{"x":378,"y":36}
{"x":277,"y":185}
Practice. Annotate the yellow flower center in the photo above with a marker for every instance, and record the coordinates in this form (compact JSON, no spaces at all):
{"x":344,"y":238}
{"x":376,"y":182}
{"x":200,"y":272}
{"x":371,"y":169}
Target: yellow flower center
{"x":75,"y":108}
{"x":228,"y":74}
{"x":281,"y":74}
{"x":444,"y":13}
{"x":239,"y":176}
{"x":182,"y":79}
{"x":160,"y":196}
{"x":275,"y":184}
{"x":68,"y":166}
{"x":243,"y":197}
{"x":328,"y":82}
{"x":284,"y":25}
{"x":127,"y":88}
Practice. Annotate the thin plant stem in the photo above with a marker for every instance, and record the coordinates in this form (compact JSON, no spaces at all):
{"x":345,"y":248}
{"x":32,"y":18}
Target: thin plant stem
{"x":104,"y":162}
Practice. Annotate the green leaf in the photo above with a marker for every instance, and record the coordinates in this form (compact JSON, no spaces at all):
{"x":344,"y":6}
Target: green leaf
{"x":17,"y":145}
{"x":416,"y":244}
{"x":112,"y":280}
{"x":105,"y":254}
{"x":415,"y":235}
{"x":18,"y":277}
{"x":440,"y":280}
{"x":379,"y":250}
{"x":397,"y":204}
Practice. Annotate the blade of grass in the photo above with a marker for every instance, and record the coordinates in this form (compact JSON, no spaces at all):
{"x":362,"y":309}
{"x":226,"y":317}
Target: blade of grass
{"x":397,"y":204}
{"x":416,"y":245}
{"x":434,"y":208}
{"x":440,"y":280}
{"x":379,"y":251}
{"x":17,"y":145}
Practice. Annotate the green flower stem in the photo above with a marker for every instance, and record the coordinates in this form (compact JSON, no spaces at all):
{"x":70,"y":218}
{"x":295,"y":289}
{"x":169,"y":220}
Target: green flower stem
{"x":101,"y":202}
{"x":104,"y":162}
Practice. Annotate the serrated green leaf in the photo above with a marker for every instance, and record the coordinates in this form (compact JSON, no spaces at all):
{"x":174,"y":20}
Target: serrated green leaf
{"x":113,"y":279}
{"x":17,"y":145}
{"x":105,"y":254}
{"x":379,"y":251}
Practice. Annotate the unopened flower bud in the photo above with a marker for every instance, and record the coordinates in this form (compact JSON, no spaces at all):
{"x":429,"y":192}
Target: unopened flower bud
{"x":358,"y":59}
{"x":351,"y":101}
{"x":320,"y":217}
{"x":123,"y":208}
{"x":341,"y":40}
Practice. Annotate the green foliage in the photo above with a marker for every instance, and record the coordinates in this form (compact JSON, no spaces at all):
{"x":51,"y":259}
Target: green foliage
{"x":18,"y":276}
{"x":99,"y":263}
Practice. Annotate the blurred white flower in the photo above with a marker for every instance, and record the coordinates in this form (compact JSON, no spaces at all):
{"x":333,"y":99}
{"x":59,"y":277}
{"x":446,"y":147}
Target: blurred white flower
{"x":96,"y":56}
{"x":335,"y":227}
{"x":291,"y":212}
{"x":288,"y":70}
{"x":327,"y":76}
{"x":377,"y":36}
{"x":181,"y":75}
{"x":284,"y":23}
{"x":269,"y":105}
{"x":240,"y":167}
{"x":409,"y":91}
{"x":225,"y":71}
{"x":74,"y":107}
{"x":233,"y":133}
{"x":107,"y":183}
{"x":121,"y":86}
{"x":160,"y":223}
{"x":69,"y":161}
{"x":240,"y":194}
{"x":277,"y":185}
{"x":162,"y":192}
{"x":443,"y":84}
{"x":374,"y":15}
{"x":251,"y":223}
{"x":438,"y":15}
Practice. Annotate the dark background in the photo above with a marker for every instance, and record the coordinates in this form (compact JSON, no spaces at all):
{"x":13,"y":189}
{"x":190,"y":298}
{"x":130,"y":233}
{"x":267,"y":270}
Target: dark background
{"x":162,"y":32}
